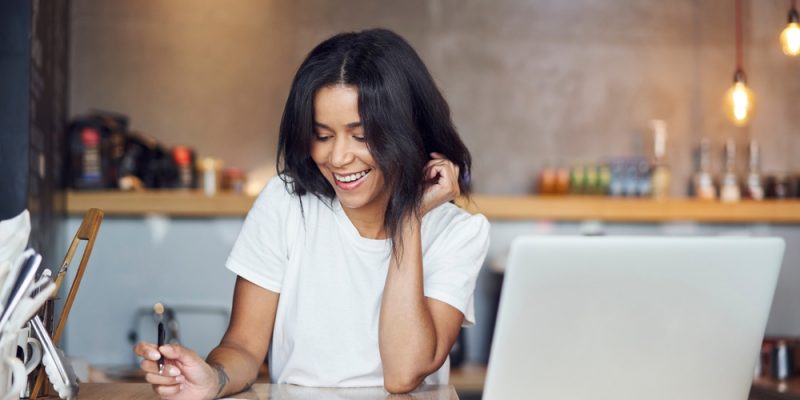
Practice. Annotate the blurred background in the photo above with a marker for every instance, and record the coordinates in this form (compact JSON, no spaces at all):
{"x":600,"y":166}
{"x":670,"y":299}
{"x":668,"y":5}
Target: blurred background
{"x":529,"y":82}
{"x":582,"y":99}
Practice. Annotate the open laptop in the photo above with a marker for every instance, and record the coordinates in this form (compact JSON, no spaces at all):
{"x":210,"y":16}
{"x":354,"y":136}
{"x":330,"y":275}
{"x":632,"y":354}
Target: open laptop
{"x":632,"y":317}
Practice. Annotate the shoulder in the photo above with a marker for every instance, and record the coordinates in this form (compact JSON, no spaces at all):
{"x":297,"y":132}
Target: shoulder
{"x":278,"y":200}
{"x":276,"y":189}
{"x":277,"y":193}
{"x":275,"y":198}
{"x":449,"y":222}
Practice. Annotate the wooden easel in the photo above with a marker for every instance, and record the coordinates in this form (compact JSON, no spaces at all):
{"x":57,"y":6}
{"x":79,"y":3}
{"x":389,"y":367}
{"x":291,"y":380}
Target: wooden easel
{"x":86,"y":232}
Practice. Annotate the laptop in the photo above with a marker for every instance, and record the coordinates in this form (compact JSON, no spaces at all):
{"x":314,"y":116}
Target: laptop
{"x":632,"y":317}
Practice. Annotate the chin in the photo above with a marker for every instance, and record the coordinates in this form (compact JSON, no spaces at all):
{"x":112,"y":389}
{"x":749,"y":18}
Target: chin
{"x":350,"y":202}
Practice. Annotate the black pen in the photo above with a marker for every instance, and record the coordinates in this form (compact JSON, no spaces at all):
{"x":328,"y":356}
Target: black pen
{"x":159,"y":310}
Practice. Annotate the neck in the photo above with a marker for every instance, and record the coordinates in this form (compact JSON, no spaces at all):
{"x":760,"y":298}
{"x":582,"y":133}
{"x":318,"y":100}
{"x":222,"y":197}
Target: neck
{"x":368,"y":220}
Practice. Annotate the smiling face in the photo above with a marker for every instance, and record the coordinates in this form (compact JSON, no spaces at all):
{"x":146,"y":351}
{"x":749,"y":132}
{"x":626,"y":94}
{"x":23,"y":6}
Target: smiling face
{"x":341,"y":153}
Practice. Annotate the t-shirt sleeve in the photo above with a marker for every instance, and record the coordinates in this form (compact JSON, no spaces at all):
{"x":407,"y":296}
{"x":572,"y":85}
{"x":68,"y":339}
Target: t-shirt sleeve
{"x":452,"y":270}
{"x":260,"y":253}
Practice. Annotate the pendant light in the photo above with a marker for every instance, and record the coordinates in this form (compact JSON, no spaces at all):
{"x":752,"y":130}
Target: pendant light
{"x":790,"y":37}
{"x":739,"y":99}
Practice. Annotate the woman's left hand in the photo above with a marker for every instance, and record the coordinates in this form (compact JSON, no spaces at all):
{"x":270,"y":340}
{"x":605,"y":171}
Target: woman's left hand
{"x":441,"y":176}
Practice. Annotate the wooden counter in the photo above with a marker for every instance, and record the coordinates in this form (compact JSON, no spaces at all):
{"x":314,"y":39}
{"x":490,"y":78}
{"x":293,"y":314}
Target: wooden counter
{"x":124,"y":391}
{"x":770,"y":389}
{"x":179,"y":203}
{"x":471,"y":381}
{"x":578,"y":208}
{"x":562,"y":208}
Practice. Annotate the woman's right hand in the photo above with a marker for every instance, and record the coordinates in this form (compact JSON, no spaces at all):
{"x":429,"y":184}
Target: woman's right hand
{"x":186,"y":376}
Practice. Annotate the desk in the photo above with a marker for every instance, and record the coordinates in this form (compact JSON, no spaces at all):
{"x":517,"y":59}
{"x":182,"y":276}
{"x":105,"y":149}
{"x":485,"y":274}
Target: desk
{"x":137,"y":391}
{"x":769,"y":389}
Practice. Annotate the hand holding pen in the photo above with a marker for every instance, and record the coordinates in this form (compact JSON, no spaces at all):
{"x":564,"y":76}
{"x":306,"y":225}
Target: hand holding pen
{"x":159,"y":310}
{"x":174,"y":371}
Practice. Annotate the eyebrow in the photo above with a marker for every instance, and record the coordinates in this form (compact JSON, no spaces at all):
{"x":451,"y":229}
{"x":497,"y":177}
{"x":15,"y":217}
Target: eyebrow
{"x":352,"y":125}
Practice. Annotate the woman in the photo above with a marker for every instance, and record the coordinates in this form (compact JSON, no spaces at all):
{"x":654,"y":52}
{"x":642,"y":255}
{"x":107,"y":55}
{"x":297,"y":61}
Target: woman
{"x":352,"y":264}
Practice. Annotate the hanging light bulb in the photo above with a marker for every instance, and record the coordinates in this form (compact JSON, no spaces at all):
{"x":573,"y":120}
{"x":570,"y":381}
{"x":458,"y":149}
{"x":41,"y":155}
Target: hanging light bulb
{"x":739,"y":100}
{"x":790,"y":37}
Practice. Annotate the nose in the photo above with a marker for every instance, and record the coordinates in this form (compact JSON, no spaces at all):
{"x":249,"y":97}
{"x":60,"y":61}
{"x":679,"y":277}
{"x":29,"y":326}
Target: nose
{"x":341,"y":154}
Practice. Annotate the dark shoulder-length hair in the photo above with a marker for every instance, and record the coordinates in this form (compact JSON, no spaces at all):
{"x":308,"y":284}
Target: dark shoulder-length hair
{"x":404,"y":116}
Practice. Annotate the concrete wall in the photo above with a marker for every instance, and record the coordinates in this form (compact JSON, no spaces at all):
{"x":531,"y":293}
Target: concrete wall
{"x":528,"y":81}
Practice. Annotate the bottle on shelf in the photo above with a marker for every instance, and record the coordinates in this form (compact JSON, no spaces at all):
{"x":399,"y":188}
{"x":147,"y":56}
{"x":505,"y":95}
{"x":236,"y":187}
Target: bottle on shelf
{"x":577,"y":177}
{"x":729,"y":191}
{"x":660,"y":175}
{"x":547,"y":180}
{"x":633,"y":183}
{"x":755,"y":190}
{"x":703,"y":182}
{"x":562,"y":180}
{"x":616,"y":184}
{"x":590,"y":181}
{"x":186,"y":174}
{"x":643,"y":177}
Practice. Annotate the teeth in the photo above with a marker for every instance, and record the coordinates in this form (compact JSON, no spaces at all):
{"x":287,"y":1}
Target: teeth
{"x":351,"y":177}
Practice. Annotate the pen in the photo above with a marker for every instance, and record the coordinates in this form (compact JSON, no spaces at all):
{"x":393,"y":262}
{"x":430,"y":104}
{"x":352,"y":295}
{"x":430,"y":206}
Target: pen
{"x":159,"y":310}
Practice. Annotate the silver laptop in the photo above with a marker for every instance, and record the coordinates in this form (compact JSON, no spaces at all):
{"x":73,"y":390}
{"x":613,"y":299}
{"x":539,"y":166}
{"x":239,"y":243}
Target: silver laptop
{"x":632,"y":317}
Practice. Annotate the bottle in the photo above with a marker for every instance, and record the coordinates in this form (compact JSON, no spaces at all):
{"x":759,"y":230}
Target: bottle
{"x":547,"y":180}
{"x":603,"y":179}
{"x":782,"y":361}
{"x":92,"y":173}
{"x":590,"y":179}
{"x":183,"y":157}
{"x":755,"y":190}
{"x":616,"y":185}
{"x":577,"y":178}
{"x":644,"y":177}
{"x":660,"y":176}
{"x":210,"y":169}
{"x":730,"y":192}
{"x":703,"y":180}
{"x":233,"y":180}
{"x":562,"y":180}
{"x":631,"y":182}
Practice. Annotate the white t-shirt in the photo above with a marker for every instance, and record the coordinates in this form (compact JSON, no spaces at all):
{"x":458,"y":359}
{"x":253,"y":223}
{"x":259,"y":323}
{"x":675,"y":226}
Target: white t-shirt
{"x":331,"y":280}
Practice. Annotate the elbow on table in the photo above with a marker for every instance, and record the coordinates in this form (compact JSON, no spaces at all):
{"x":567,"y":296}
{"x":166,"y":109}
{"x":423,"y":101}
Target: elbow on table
{"x":401,"y":384}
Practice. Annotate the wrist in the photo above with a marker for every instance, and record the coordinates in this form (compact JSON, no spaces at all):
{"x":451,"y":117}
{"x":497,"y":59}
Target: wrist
{"x":218,"y":378}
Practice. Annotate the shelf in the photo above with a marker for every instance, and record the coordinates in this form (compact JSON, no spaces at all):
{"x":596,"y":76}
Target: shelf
{"x":177,"y":203}
{"x":184,"y":203}
{"x":580,"y":208}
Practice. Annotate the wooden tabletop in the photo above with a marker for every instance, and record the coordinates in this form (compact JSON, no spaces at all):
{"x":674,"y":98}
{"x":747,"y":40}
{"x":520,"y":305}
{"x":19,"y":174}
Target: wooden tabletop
{"x":468,"y":378}
{"x":771,"y":389}
{"x":124,"y":391}
{"x":762,"y":390}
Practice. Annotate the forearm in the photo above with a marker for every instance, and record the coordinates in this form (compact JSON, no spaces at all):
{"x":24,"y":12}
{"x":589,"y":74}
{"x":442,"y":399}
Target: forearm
{"x":235,"y":367}
{"x":407,"y":333}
